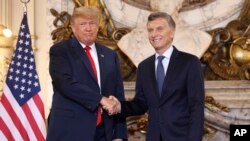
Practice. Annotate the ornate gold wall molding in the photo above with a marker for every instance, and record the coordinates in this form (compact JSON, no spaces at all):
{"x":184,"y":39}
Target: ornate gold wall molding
{"x":5,"y":57}
{"x":6,"y":50}
{"x":221,"y":60}
{"x":108,"y":33}
{"x":228,"y":57}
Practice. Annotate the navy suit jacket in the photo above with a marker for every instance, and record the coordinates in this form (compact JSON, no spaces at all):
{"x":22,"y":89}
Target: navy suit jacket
{"x":177,"y":115}
{"x":77,"y":93}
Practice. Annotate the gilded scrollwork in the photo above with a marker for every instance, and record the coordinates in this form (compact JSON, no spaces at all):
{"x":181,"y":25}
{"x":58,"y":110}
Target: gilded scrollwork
{"x":108,"y":33}
{"x":107,"y":29}
{"x":6,"y":50}
{"x":4,"y":65}
{"x":213,"y":105}
{"x":62,"y":24}
{"x":137,"y":124}
{"x":228,"y":57}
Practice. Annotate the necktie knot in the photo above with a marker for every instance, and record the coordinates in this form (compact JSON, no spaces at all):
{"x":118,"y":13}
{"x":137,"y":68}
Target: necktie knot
{"x":160,"y":58}
{"x":87,"y":48}
{"x":91,"y":60}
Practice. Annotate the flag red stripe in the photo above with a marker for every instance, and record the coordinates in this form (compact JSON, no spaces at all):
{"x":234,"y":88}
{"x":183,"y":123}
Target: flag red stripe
{"x":6,"y":130}
{"x":38,"y":101}
{"x":14,"y":117}
{"x":32,"y":122}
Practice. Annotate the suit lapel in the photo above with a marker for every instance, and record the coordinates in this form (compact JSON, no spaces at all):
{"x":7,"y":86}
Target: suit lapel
{"x":101,"y":60}
{"x":78,"y":49}
{"x":153,"y":76}
{"x":171,"y":72}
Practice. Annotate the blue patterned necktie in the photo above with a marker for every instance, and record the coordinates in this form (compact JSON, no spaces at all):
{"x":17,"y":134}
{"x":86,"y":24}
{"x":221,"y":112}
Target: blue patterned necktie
{"x":160,"y":74}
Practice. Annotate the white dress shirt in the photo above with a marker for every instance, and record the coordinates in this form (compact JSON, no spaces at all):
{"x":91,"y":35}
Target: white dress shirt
{"x":166,"y":60}
{"x":93,"y":53}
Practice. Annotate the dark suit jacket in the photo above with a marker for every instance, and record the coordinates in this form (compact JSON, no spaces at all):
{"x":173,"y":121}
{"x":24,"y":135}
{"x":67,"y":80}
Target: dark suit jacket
{"x":177,"y":115}
{"x":77,"y":94}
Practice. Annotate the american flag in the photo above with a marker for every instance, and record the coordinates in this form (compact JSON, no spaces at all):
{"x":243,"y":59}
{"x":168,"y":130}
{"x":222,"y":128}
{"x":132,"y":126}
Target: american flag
{"x":21,"y":107}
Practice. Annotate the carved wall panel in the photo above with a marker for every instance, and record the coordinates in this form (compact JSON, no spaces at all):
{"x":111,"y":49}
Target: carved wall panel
{"x":220,"y":61}
{"x":228,"y":57}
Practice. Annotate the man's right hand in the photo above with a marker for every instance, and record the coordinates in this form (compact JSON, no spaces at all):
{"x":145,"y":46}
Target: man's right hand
{"x":111,"y":105}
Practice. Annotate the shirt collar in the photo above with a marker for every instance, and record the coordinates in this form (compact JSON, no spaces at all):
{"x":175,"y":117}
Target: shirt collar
{"x":167,"y":53}
{"x":92,"y":46}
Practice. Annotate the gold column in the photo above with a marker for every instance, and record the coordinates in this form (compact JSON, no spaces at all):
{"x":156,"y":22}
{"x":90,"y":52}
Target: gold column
{"x":6,"y":50}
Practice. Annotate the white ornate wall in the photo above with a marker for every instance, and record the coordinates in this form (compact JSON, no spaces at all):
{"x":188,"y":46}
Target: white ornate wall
{"x":215,"y":14}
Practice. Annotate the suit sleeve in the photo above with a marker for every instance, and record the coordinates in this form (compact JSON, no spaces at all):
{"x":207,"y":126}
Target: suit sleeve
{"x":196,"y":101}
{"x":120,"y":125}
{"x":138,"y":105}
{"x":64,"y":83}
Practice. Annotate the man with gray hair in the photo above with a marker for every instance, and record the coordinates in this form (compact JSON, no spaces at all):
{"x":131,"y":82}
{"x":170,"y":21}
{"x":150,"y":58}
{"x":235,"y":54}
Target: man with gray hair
{"x":169,"y":86}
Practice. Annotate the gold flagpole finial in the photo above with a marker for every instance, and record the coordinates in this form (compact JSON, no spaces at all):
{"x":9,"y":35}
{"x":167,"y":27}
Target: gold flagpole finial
{"x":25,"y":4}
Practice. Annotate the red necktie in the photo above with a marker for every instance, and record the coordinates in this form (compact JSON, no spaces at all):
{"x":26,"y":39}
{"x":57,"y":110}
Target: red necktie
{"x":99,"y":110}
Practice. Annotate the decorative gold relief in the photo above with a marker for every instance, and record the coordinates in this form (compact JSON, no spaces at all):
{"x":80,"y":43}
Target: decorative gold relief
{"x":209,"y":130}
{"x":6,"y":50}
{"x":137,"y":124}
{"x":240,"y":51}
{"x":228,"y":57}
{"x":108,"y":34}
{"x":62,"y":24}
{"x":4,"y":65}
{"x":212,"y":105}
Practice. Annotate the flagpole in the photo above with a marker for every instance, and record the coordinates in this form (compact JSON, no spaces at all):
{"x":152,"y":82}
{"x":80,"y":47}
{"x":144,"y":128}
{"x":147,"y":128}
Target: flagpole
{"x":22,"y":110}
{"x":25,"y":2}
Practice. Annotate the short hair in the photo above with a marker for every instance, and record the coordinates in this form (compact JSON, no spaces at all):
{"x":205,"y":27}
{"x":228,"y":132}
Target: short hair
{"x":85,"y":12}
{"x":167,"y":17}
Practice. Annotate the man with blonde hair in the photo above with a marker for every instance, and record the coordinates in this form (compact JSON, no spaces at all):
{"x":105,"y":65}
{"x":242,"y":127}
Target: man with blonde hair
{"x":84,"y":74}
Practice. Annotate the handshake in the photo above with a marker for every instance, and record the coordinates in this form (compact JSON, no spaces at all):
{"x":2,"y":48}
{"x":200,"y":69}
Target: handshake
{"x":111,"y":104}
